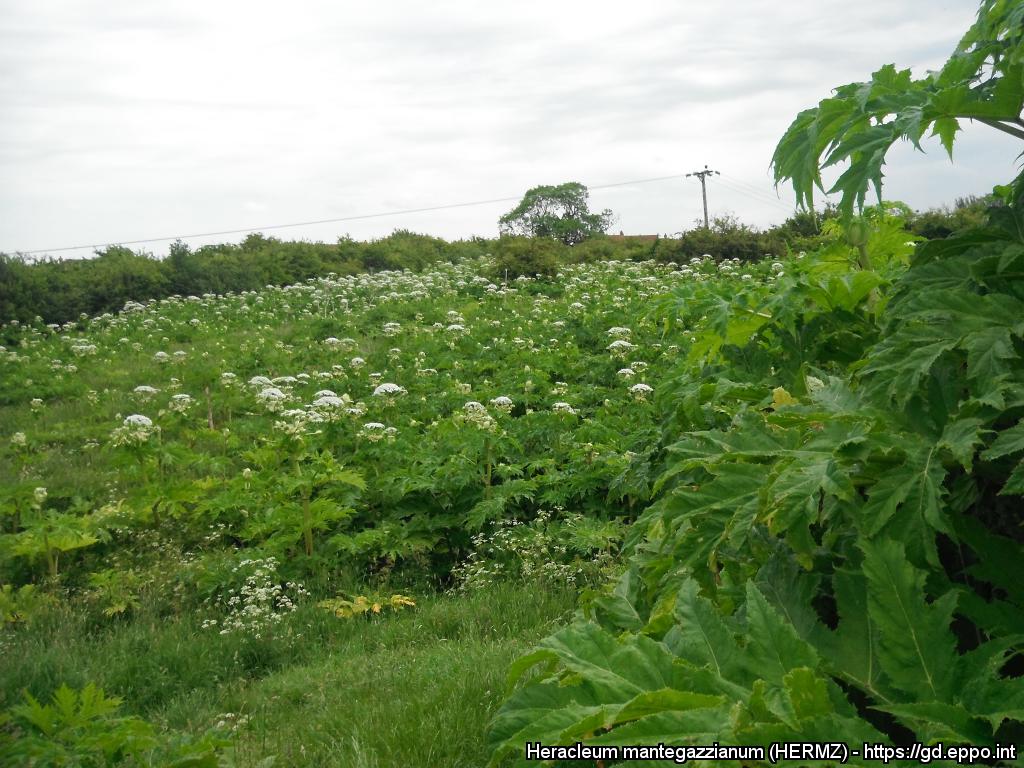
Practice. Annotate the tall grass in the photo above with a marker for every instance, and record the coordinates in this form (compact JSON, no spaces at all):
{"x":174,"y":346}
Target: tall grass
{"x":414,"y":688}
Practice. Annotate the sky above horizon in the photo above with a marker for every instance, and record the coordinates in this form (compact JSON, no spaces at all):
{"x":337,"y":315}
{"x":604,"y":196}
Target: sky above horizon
{"x":123,"y":122}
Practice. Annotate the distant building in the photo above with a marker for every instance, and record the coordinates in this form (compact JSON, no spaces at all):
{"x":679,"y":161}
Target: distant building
{"x":621,"y":238}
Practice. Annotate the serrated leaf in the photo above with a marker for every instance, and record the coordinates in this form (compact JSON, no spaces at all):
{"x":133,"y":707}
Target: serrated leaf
{"x":773,"y":646}
{"x":961,"y":437}
{"x":941,"y":721}
{"x":1007,"y":442}
{"x":916,"y":488}
{"x":662,"y":700}
{"x":807,"y":693}
{"x":539,"y":712}
{"x":1015,"y":482}
{"x":917,"y":651}
{"x":851,"y":651}
{"x":946,"y":129}
{"x":682,"y":727}
{"x":617,"y":670}
{"x":702,"y":636}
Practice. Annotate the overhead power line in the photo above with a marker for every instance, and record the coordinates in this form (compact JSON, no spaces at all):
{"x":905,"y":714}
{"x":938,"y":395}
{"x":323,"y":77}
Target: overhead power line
{"x":336,"y":220}
{"x":754,"y":194}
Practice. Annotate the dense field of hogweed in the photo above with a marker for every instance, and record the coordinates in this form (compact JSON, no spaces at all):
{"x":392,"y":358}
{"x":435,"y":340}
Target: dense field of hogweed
{"x":351,"y":425}
{"x":251,"y":460}
{"x":359,"y":424}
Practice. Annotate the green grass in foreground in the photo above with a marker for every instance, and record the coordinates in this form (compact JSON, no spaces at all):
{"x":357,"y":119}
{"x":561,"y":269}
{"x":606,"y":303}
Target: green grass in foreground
{"x":415,"y":688}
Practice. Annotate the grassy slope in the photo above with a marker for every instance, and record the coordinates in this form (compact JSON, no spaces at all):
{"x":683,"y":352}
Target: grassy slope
{"x":417,"y":688}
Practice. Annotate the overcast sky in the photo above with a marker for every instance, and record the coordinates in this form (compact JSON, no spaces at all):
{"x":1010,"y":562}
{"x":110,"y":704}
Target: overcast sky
{"x":124,"y":121}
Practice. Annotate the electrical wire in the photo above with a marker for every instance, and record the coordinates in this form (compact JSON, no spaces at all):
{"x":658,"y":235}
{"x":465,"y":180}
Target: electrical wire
{"x":327,"y":221}
{"x":764,"y":199}
{"x":754,"y":190}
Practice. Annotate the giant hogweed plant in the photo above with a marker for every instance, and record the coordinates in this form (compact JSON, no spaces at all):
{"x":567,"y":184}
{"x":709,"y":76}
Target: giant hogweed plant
{"x":834,"y":551}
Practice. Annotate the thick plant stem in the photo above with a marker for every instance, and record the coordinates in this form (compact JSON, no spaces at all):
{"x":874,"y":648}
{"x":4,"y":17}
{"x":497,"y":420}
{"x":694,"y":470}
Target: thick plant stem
{"x":863,"y":259}
{"x":1000,"y":126}
{"x":307,"y":524}
{"x":488,"y":469}
{"x":307,"y":517}
{"x":51,"y":557}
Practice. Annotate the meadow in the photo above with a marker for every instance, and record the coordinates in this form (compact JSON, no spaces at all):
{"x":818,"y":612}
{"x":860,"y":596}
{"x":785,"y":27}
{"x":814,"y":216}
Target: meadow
{"x":425,"y":517}
{"x":200,"y":489}
{"x":422,"y":518}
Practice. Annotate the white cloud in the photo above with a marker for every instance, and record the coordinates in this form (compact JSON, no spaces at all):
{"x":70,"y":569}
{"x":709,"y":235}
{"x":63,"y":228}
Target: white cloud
{"x":127,"y":121}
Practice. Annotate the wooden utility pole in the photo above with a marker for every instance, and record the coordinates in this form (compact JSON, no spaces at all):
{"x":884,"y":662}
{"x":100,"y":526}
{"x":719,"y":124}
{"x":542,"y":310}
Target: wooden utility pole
{"x":703,"y":175}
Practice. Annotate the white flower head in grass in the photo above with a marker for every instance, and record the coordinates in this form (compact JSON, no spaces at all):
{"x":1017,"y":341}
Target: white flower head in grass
{"x":502,"y":403}
{"x":81,"y":350}
{"x":476,"y":414}
{"x":134,"y":430}
{"x":620,"y":347}
{"x":144,"y":392}
{"x":260,"y":382}
{"x":330,"y":407}
{"x":388,"y":392}
{"x":333,"y":342}
{"x":373,"y":431}
{"x":296,"y":423}
{"x":180,"y":403}
{"x":18,"y":440}
{"x":357,"y":362}
{"x":392,"y":329}
{"x":564,"y":409}
{"x":161,"y":357}
{"x":272,"y":398}
{"x":641,"y":392}
{"x":36,"y":405}
{"x":618,"y":332}
{"x":626,"y":373}
{"x":228,"y":379}
{"x":638,"y":365}
{"x":261,"y":602}
{"x":39,"y":496}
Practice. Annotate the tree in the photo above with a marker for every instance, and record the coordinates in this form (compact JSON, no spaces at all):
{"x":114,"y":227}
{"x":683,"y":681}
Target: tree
{"x":558,"y":212}
{"x":982,"y":81}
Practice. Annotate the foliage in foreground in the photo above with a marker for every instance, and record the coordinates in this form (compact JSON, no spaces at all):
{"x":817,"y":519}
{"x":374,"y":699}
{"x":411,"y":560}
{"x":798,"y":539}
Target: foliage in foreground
{"x":835,"y":550}
{"x":81,"y":728}
{"x":835,"y":553}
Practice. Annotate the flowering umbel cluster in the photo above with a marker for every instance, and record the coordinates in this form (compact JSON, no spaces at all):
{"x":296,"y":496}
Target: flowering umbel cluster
{"x":134,"y":430}
{"x":259,"y":603}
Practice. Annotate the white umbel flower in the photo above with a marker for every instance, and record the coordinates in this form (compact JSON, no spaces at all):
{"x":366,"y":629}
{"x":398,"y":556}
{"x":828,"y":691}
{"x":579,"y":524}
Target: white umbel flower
{"x":640,"y":391}
{"x":503,"y":403}
{"x":388,"y":389}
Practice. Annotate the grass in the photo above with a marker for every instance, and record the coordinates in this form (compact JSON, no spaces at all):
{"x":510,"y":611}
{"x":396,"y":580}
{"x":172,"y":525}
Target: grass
{"x":414,"y":688}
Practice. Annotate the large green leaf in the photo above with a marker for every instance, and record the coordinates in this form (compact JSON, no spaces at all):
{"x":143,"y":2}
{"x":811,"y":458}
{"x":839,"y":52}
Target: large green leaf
{"x":916,"y":650}
{"x":773,"y":646}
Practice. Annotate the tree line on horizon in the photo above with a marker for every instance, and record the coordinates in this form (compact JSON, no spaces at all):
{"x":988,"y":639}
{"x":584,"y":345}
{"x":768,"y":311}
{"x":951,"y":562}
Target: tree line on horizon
{"x":62,"y":290}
